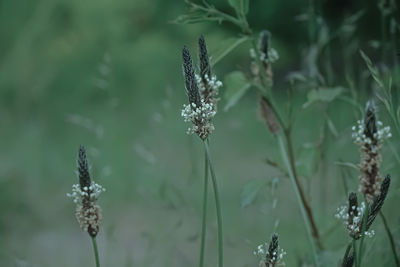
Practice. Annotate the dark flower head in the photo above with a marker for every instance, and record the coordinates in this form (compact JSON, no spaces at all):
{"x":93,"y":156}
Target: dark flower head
{"x":370,"y":120}
{"x":273,"y":250}
{"x":205,"y":68}
{"x":83,"y":168}
{"x":265,"y":37}
{"x":192,"y":89}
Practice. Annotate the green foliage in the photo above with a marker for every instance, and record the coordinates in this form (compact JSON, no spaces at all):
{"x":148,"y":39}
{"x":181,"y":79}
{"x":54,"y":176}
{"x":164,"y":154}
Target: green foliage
{"x":323,"y":95}
{"x":250,"y":191}
{"x":236,"y":85}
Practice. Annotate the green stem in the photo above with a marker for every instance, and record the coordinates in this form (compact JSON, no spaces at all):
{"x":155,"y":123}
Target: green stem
{"x":204,"y":218}
{"x":96,"y":252}
{"x":296,"y":189}
{"x":355,"y":253}
{"x":363,"y":230}
{"x":390,"y":236}
{"x":218,"y":207}
{"x":304,"y":202}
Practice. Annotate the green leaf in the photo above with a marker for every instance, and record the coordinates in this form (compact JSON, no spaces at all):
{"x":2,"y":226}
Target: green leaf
{"x":240,"y":6}
{"x":236,"y":86}
{"x":225,"y":48}
{"x":374,"y":71}
{"x":307,"y":160}
{"x":323,"y":94}
{"x":250,"y":191}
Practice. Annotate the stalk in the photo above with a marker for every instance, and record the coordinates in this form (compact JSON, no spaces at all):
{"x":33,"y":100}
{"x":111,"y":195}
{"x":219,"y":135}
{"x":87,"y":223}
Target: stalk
{"x":390,"y":236}
{"x":217,"y":205}
{"x":299,"y":200}
{"x":96,"y":252}
{"x":204,"y":217}
{"x":303,"y":199}
{"x":355,"y":253}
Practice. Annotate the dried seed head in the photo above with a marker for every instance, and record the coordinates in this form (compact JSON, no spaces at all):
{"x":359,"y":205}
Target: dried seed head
{"x":369,"y":134}
{"x":192,"y":89}
{"x":205,"y":68}
{"x":83,"y":168}
{"x":269,"y":115}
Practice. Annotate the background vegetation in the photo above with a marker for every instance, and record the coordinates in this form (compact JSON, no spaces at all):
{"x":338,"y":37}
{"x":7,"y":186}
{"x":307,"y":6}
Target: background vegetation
{"x":107,"y":74}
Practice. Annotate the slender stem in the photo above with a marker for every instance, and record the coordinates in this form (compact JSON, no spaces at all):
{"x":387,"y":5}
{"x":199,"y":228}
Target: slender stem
{"x":299,"y":201}
{"x":363,"y":230}
{"x":355,"y":253}
{"x":218,"y":207}
{"x":390,"y":236}
{"x":96,"y":252}
{"x":204,"y":218}
{"x":303,"y":199}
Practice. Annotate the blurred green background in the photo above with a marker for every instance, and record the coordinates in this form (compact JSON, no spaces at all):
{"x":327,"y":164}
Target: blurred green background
{"x":107,"y":74}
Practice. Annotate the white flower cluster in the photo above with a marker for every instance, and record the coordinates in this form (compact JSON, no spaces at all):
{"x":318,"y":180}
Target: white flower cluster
{"x":360,"y":138}
{"x":93,"y":192}
{"x":272,"y":56}
{"x":353,"y":227}
{"x":213,"y":83}
{"x":198,"y":115}
{"x":87,"y":212}
{"x":262,"y":252}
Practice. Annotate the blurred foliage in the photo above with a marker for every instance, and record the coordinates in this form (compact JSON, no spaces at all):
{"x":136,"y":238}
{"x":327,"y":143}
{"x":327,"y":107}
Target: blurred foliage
{"x":107,"y":74}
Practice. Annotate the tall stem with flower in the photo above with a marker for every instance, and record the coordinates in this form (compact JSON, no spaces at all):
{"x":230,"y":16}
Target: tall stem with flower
{"x":85,"y":195}
{"x":202,"y":91}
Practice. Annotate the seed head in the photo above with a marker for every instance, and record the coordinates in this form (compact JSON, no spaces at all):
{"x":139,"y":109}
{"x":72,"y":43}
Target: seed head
{"x":370,"y":120}
{"x":369,"y":135}
{"x":84,"y":195}
{"x":378,"y":201}
{"x":265,"y":37}
{"x":192,"y":89}
{"x":269,"y":116}
{"x":205,"y":68}
{"x":83,"y":168}
{"x":271,"y":254}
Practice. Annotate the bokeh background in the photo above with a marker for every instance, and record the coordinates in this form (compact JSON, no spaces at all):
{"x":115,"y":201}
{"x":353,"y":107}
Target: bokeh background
{"x":107,"y":74}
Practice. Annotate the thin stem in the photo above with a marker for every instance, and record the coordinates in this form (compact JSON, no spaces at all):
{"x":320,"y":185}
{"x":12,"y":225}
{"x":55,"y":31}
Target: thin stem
{"x":363,"y":230}
{"x":218,"y":207}
{"x":299,"y":201}
{"x":355,"y":253}
{"x":303,"y":199}
{"x":204,"y":218}
{"x":390,"y":236}
{"x":96,"y":252}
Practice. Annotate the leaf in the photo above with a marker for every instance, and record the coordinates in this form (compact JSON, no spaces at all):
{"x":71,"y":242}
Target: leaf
{"x":374,"y":71}
{"x":240,"y":6}
{"x":323,"y":94}
{"x":332,"y":126}
{"x":236,"y":86}
{"x":226,"y":47}
{"x":308,"y":158}
{"x":250,"y":191}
